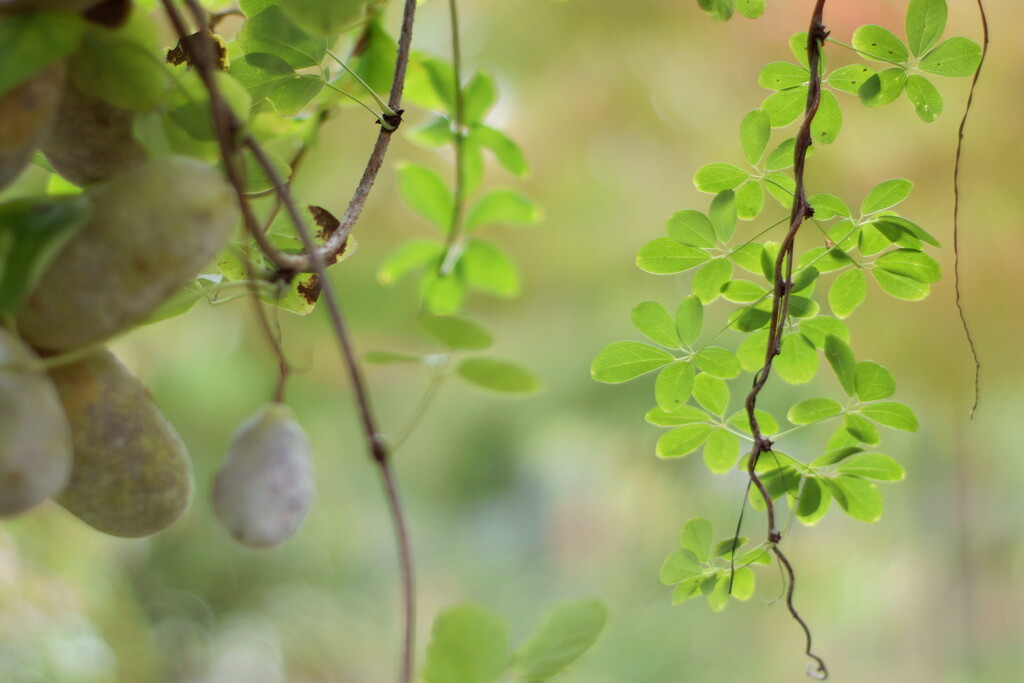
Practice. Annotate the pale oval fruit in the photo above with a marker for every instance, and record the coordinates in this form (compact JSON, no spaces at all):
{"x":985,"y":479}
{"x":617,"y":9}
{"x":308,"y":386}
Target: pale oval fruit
{"x":131,"y":474}
{"x":28,"y":112}
{"x":35,"y":440}
{"x":151,"y":231}
{"x":265,"y":488}
{"x":91,"y":140}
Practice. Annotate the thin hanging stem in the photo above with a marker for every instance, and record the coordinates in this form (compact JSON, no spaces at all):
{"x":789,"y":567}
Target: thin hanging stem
{"x":450,"y":257}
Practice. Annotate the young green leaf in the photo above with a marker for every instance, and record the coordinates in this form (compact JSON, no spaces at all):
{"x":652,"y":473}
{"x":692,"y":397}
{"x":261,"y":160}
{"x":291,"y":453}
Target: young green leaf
{"x":885,"y":195}
{"x":872,"y":466}
{"x":883,"y":87}
{"x":782,"y":76}
{"x":748,"y":256}
{"x":891,"y":414}
{"x":840,"y":357}
{"x":828,"y":121}
{"x":271,"y":31}
{"x":813,"y":501}
{"x":468,"y":644}
{"x":781,"y":157}
{"x":683,"y":415}
{"x":686,"y":590}
{"x":956,"y":58}
{"x":873,"y":381}
{"x":751,"y":9}
{"x":861,"y":429}
{"x":711,"y":392}
{"x":483,"y":266}
{"x":680,"y":565}
{"x":798,"y":362}
{"x":926,"y":97}
{"x":721,"y":451}
{"x":880,"y":45}
{"x":765,"y":422}
{"x":457,"y":333}
{"x":504,"y":149}
{"x":813,"y":410}
{"x":755,"y":129}
{"x":689,"y":319}
{"x":719,"y":10}
{"x":751,"y":351}
{"x":498,"y":375}
{"x":697,"y":536}
{"x":847,"y":292}
{"x":569,"y":629}
{"x":925,"y":22}
{"x":653,"y":320}
{"x":708,"y":281}
{"x":426,"y":194}
{"x":387,"y":357}
{"x":437,"y":133}
{"x":858,"y":497}
{"x":837,"y":455}
{"x":911,"y":263}
{"x":743,"y":291}
{"x":849,"y":79}
{"x":749,"y":200}
{"x":900,"y":286}
{"x":691,"y":228}
{"x":717,"y":362}
{"x":505,"y":207}
{"x":723,"y":214}
{"x":478,"y":97}
{"x":683,"y":440}
{"x":407,"y":257}
{"x":781,"y":187}
{"x":673,"y":386}
{"x":624,"y":360}
{"x":818,"y":329}
{"x":665,"y":256}
{"x":715,"y":178}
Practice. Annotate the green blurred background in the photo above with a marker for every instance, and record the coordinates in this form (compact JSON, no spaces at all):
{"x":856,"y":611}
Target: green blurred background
{"x":519,"y":503}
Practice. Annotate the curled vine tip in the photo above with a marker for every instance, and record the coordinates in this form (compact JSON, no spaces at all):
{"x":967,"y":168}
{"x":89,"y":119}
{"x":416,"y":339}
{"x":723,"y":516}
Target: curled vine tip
{"x":817,"y":670}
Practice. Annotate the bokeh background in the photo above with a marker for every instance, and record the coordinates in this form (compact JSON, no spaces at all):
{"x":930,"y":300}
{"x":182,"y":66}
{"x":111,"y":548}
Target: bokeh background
{"x":520,"y":503}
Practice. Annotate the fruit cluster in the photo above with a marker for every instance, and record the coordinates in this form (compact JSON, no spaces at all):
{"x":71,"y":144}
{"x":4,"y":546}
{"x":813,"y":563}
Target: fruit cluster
{"x":75,"y":424}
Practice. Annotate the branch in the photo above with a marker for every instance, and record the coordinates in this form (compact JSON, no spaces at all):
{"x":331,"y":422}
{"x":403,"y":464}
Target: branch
{"x":782,"y":287}
{"x":956,"y":211}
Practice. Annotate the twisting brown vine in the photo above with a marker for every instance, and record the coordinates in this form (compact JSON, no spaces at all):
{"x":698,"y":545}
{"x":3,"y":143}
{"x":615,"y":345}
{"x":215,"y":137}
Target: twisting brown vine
{"x":782,"y":287}
{"x":956,"y":210}
{"x":231,"y":139}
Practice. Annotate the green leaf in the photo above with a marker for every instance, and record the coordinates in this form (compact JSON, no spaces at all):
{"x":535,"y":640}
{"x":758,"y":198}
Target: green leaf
{"x":457,"y":333}
{"x":818,"y":329}
{"x":872,"y":240}
{"x":273,"y":32}
{"x":653,"y":320}
{"x":673,"y":386}
{"x":568,"y":630}
{"x":689,"y":319}
{"x":785,"y":107}
{"x":716,"y":589}
{"x":697,"y":537}
{"x":503,"y":207}
{"x":749,"y":200}
{"x":751,"y":9}
{"x":837,"y":455}
{"x":32,"y":233}
{"x":858,"y":497}
{"x":885,"y":195}
{"x":188,"y":105}
{"x":798,"y":362}
{"x":883,"y":87}
{"x":743,"y":291}
{"x":717,"y":362}
{"x":468,"y":644}
{"x":847,"y":292}
{"x":798,"y":46}
{"x":925,"y":22}
{"x":885,"y":222}
{"x":375,"y":62}
{"x":781,"y":187}
{"x":724,"y":548}
{"x":721,"y":451}
{"x":711,"y":392}
{"x":813,"y":501}
{"x":437,"y":133}
{"x":430,"y":82}
{"x":748,"y":257}
{"x":891,"y":414}
{"x":873,"y":381}
{"x":29,"y":42}
{"x":323,"y":17}
{"x":478,"y":97}
{"x":925,"y":96}
{"x":751,"y":351}
{"x":291,"y":98}
{"x":879,"y":44}
{"x":691,"y":228}
{"x":765,"y":422}
{"x":708,"y":281}
{"x":407,"y":257}
{"x":715,"y":178}
{"x":498,"y":375}
{"x":957,"y":58}
{"x":686,"y":590}
{"x":755,"y":129}
{"x":386,"y":357}
{"x":723,"y":214}
{"x":664,"y":256}
{"x":483,"y":266}
{"x":861,"y":429}
{"x":900,"y":286}
{"x":441,"y":294}
{"x":813,"y":410}
{"x":719,"y":10}
{"x":842,"y":439}
{"x":849,"y":79}
{"x":683,"y":440}
{"x":118,"y":67}
{"x":624,"y":360}
{"x":911,"y":263}
{"x":683,"y":415}
{"x":872,"y":466}
{"x":504,"y":149}
{"x":828,"y":121}
{"x":840,"y":357}
{"x":680,"y":565}
{"x":782,"y":76}
{"x":426,"y":194}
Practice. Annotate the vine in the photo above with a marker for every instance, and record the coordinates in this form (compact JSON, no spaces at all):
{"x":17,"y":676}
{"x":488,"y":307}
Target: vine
{"x":786,"y":331}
